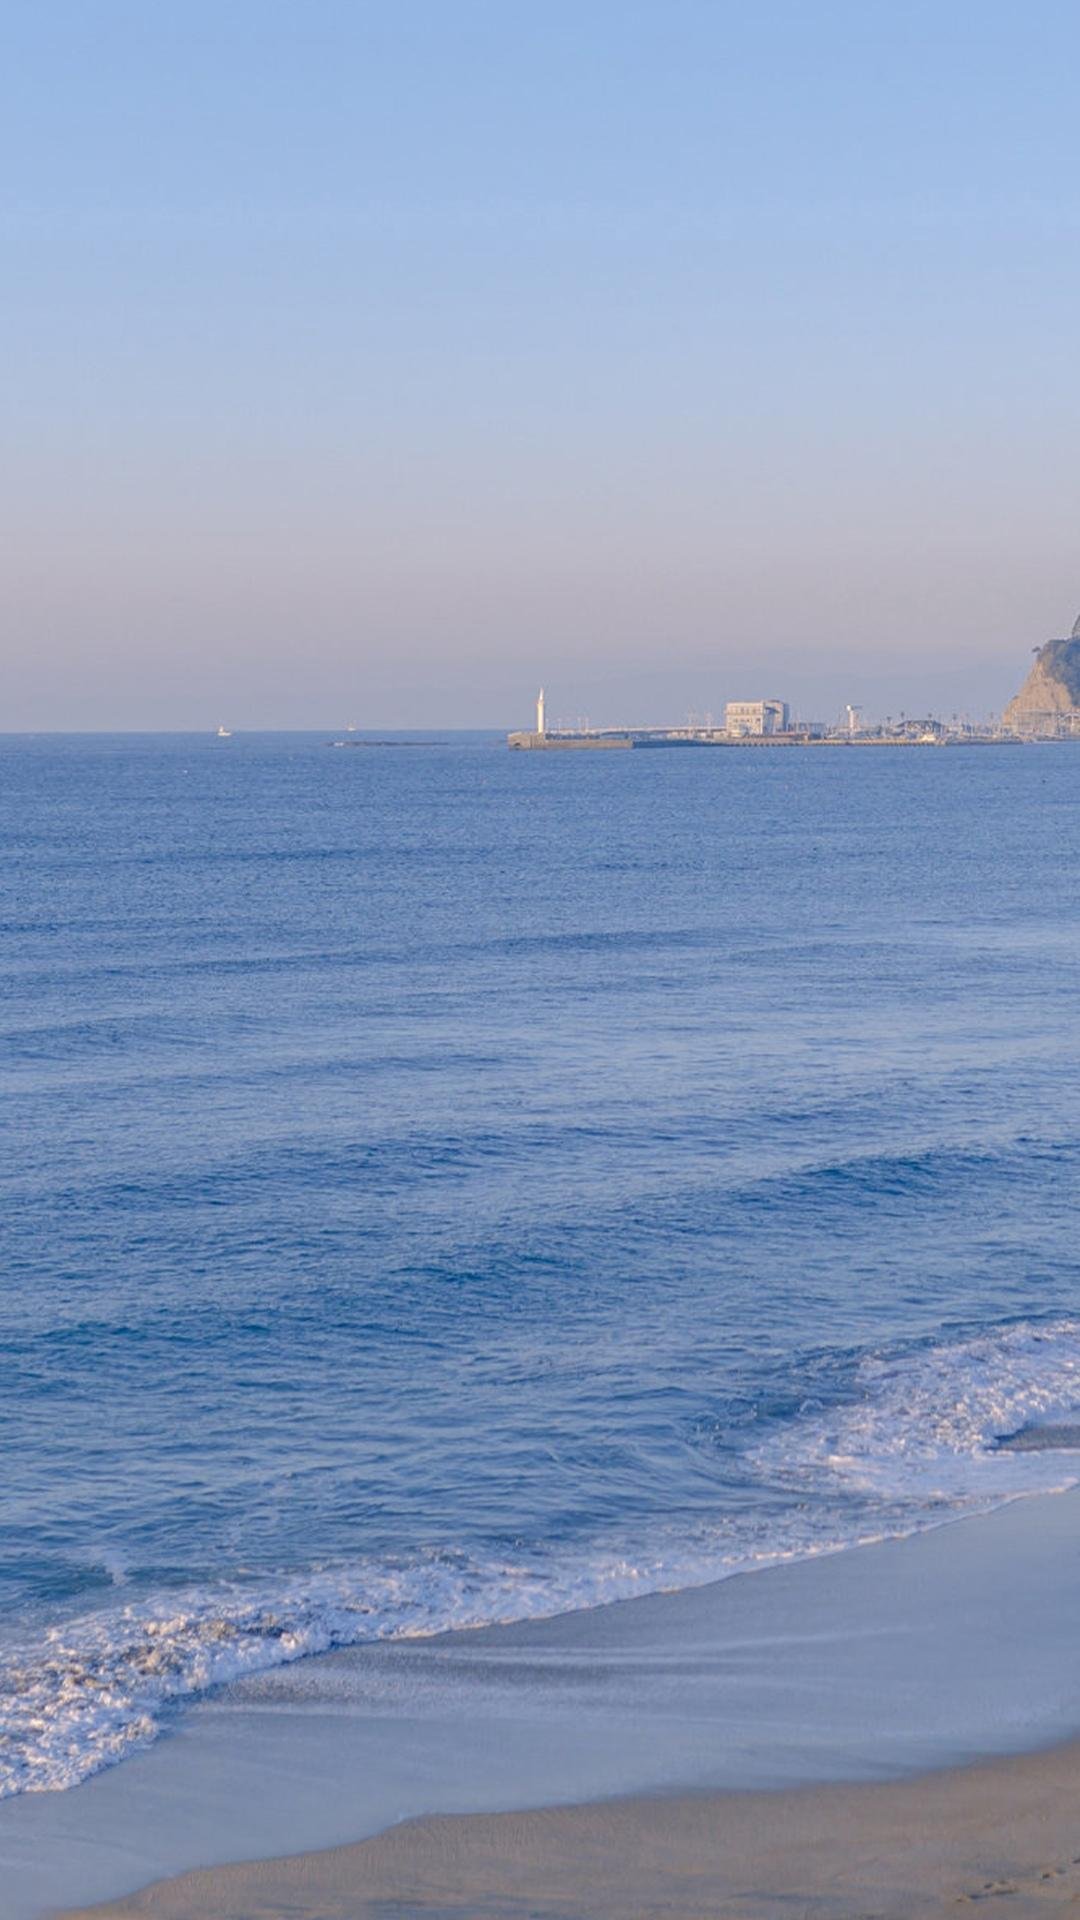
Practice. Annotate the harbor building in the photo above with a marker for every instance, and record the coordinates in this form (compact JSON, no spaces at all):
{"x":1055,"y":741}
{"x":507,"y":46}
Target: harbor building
{"x":743,"y":717}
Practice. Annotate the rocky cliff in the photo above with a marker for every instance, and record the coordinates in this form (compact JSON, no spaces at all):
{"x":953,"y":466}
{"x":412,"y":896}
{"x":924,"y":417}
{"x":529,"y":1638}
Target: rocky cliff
{"x":1051,"y":689}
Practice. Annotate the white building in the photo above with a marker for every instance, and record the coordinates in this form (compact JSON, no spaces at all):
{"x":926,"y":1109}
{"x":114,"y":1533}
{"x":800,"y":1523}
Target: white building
{"x":756,"y":716}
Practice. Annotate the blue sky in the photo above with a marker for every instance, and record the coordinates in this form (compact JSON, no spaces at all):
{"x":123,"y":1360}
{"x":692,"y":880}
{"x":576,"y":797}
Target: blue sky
{"x":373,"y":362}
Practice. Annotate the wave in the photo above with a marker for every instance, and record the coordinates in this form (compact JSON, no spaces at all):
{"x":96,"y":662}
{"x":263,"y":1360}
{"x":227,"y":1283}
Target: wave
{"x":914,"y":1441}
{"x":923,"y":1423}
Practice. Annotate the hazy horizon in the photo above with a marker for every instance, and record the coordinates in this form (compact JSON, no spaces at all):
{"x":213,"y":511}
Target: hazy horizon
{"x":373,"y":364}
{"x":645,"y":699}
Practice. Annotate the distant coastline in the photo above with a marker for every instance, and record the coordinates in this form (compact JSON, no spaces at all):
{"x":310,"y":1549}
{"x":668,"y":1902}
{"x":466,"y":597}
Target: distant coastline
{"x":1047,"y":707}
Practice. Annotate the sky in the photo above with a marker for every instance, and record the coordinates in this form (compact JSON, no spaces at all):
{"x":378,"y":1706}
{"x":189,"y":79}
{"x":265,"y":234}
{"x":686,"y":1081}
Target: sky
{"x":370,"y":363}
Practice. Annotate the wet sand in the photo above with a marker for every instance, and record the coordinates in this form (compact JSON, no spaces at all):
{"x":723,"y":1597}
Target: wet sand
{"x":1007,"y":1834}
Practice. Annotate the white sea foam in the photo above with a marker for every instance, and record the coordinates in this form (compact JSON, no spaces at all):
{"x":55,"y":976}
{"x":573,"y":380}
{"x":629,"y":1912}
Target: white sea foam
{"x":915,"y":1443}
{"x":923,"y":1424}
{"x":97,"y":1689}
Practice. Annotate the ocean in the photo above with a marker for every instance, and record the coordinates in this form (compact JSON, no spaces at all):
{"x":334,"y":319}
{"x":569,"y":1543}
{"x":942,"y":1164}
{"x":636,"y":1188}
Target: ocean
{"x":444,"y":1186}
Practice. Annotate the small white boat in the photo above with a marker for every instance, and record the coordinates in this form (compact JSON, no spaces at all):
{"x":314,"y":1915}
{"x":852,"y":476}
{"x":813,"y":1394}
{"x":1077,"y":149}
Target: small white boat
{"x":223,"y":733}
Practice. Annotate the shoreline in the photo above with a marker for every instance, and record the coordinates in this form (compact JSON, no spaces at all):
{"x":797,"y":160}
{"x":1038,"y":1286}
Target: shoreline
{"x":899,"y":1662}
{"x":926,"y":1847}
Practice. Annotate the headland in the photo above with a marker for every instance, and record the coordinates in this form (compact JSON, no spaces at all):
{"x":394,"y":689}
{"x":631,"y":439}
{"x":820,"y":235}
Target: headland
{"x":1048,"y":704}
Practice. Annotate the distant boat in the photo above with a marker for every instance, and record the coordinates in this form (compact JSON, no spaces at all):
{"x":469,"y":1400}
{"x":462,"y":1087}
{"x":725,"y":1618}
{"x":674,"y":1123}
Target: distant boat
{"x":351,"y":728}
{"x":223,"y":733}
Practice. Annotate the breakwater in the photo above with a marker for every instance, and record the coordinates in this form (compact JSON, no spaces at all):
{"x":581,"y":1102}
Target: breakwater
{"x":551,"y":742}
{"x":651,"y":737}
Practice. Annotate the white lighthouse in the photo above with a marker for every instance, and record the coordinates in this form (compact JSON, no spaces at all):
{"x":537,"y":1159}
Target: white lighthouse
{"x":540,"y":728}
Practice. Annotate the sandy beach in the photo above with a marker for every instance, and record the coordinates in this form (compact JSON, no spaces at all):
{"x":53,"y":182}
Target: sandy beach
{"x":1007,"y":1832}
{"x":884,"y":1732}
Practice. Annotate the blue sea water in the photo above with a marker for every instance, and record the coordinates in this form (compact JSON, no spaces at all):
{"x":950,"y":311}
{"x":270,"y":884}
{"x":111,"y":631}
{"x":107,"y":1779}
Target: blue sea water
{"x":442,"y":1185}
